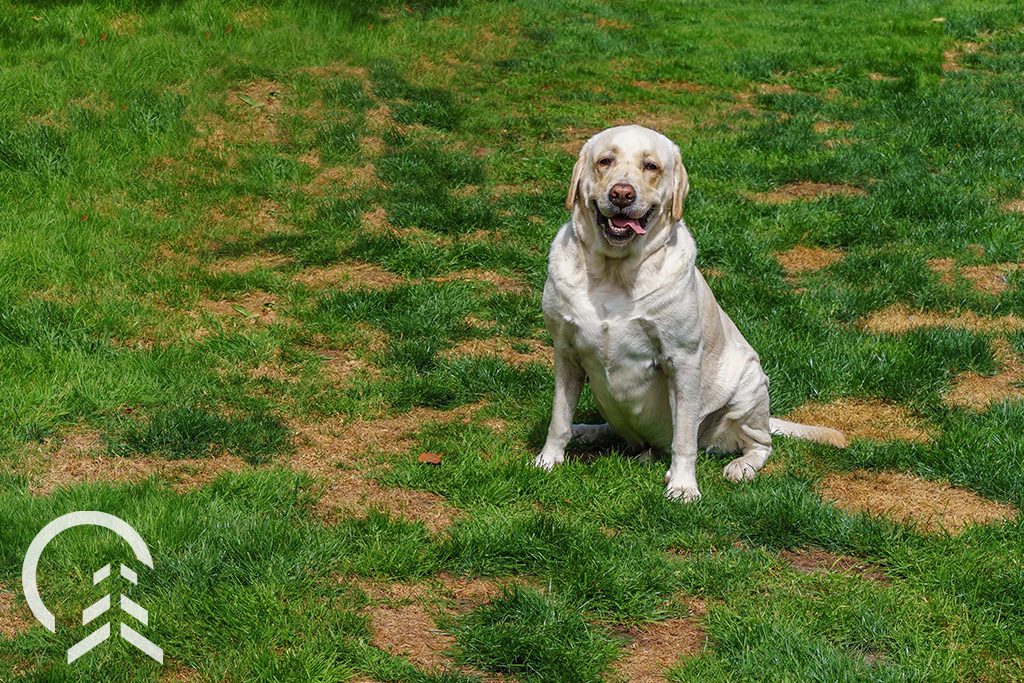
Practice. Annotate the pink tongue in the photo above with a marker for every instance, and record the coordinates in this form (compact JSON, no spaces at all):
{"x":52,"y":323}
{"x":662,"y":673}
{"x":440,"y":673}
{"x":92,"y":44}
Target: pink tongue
{"x":621,"y":222}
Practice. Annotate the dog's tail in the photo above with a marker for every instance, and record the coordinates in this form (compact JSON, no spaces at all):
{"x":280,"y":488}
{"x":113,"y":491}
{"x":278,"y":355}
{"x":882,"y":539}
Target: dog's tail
{"x":833,"y":437}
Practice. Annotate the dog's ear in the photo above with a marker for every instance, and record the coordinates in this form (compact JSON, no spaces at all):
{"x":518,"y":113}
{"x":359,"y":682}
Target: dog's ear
{"x":682,"y":187}
{"x":577,"y":172}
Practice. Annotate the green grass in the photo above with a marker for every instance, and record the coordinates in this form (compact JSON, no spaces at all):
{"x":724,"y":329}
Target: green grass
{"x":134,"y":158}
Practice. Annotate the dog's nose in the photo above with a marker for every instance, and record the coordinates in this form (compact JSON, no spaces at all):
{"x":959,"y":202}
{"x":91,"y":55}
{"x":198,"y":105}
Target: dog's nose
{"x":622,"y":194}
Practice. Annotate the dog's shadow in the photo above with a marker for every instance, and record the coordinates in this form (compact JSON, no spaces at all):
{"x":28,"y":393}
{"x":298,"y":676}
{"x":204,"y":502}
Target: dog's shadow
{"x":587,"y":453}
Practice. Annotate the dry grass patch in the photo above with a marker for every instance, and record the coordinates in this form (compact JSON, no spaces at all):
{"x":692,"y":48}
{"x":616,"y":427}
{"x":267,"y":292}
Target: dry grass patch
{"x":337,"y":453}
{"x":898,"y":319}
{"x":932,"y":506}
{"x":79,"y":458}
{"x":869,"y":419}
{"x":409,"y":631}
{"x":951,"y":57}
{"x":15,"y":619}
{"x":332,"y":179}
{"x":247,"y":214}
{"x":976,"y":392}
{"x":341,"y":367}
{"x":804,"y":191}
{"x":987,"y":279}
{"x":350,"y":275}
{"x":815,"y":561}
{"x":800,"y":259}
{"x":654,"y":648}
{"x":822,"y":127}
{"x":499,"y":281}
{"x":511,"y":350}
{"x":1014,"y":206}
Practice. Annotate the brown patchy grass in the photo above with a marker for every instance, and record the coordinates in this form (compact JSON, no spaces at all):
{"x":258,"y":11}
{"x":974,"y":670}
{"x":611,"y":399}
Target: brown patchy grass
{"x":816,"y":561}
{"x":409,"y":631}
{"x":79,"y":458}
{"x":1014,"y":206}
{"x":15,"y":619}
{"x":499,"y":281}
{"x":822,"y":127}
{"x":987,"y":279}
{"x":898,"y":319}
{"x":337,"y":454}
{"x":350,"y":275}
{"x":976,"y":392}
{"x":801,"y":260}
{"x":247,"y":214}
{"x":333,"y":179}
{"x":869,"y":419}
{"x":505,"y":349}
{"x":656,"y":647}
{"x":804,"y":191}
{"x":951,"y":57}
{"x":932,"y":506}
{"x":251,"y":307}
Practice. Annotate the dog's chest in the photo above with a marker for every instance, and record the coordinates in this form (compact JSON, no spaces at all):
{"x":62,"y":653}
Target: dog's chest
{"x":617,"y":341}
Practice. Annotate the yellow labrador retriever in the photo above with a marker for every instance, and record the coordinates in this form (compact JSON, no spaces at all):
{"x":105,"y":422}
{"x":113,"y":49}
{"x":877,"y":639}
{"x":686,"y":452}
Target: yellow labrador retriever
{"x":630,"y":313}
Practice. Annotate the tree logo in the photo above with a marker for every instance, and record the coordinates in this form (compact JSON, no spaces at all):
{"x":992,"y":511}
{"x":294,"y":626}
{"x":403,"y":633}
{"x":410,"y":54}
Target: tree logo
{"x":102,"y":606}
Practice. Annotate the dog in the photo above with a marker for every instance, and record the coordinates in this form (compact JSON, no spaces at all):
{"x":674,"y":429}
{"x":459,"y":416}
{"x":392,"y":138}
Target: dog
{"x":629,"y":312}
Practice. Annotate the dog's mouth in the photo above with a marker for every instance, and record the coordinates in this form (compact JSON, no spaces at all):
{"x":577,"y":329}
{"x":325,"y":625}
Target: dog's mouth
{"x":620,"y":228}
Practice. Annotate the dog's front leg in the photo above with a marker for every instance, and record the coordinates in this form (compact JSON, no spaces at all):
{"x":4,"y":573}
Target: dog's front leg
{"x":569,"y":378}
{"x":684,"y":397}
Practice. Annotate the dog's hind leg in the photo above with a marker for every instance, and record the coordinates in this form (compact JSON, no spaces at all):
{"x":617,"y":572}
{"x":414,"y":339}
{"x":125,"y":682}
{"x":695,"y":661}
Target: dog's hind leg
{"x":756,"y":445}
{"x":587,"y":435}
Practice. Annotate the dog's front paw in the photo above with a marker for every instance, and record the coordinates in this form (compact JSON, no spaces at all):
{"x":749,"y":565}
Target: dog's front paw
{"x":685,"y":494}
{"x":548,"y":461}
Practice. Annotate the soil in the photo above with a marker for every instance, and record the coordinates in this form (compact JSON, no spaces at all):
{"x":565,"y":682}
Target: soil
{"x":14,"y":619}
{"x":656,"y":647}
{"x":815,"y":561}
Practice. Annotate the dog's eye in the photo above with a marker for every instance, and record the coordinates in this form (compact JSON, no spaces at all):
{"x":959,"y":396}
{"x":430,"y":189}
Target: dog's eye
{"x":605,"y":161}
{"x":650,"y":166}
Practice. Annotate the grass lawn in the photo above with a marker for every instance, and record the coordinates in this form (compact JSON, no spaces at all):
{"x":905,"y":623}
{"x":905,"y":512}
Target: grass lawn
{"x":270,"y":291}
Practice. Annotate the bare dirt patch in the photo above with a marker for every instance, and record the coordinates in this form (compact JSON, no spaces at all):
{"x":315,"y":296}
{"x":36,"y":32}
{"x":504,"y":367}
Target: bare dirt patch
{"x":656,"y":647}
{"x":79,"y":458}
{"x":14,"y":619}
{"x":513,"y":351}
{"x":815,"y":561}
{"x":898,"y":319}
{"x":804,"y":191}
{"x":976,"y":392}
{"x":801,"y":260}
{"x":341,"y":367}
{"x":932,"y":506}
{"x":987,"y":279}
{"x":869,"y":419}
{"x":350,"y":275}
{"x":251,"y":262}
{"x":1014,"y":206}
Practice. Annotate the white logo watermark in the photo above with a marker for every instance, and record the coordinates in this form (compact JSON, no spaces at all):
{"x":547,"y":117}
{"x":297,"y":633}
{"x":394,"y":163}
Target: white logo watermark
{"x":102,"y":606}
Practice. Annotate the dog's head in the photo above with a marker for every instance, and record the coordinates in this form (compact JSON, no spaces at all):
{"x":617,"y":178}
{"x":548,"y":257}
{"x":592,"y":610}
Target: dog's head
{"x":628,"y":181}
